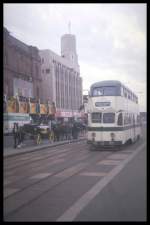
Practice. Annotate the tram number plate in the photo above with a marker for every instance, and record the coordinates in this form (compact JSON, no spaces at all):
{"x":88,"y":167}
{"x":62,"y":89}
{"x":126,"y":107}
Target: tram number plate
{"x":102,"y":104}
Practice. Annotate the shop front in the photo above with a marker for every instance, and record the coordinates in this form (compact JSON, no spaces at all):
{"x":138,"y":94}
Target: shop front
{"x":67,"y":115}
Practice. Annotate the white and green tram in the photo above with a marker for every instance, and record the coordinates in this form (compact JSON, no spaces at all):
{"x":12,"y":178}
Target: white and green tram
{"x":113,"y":114}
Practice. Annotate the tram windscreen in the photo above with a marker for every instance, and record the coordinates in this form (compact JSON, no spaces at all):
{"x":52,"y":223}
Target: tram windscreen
{"x":105,"y":91}
{"x":96,"y":117}
{"x":108,"y":117}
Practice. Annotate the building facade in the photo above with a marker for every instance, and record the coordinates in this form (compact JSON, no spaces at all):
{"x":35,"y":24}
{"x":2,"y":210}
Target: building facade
{"x":22,"y":68}
{"x":61,"y":81}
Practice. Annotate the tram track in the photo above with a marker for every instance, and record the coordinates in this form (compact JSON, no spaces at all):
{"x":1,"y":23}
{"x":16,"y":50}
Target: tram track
{"x":94,"y":160}
{"x":49,"y":153}
{"x":98,"y":156}
{"x":43,"y":167}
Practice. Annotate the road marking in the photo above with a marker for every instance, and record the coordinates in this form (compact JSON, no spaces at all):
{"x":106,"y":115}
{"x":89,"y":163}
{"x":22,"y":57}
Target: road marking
{"x":93,"y":174}
{"x":39,"y":157}
{"x":118,"y":156}
{"x":25,"y":158}
{"x":9,"y":191}
{"x":56,"y":161}
{"x":50,"y":163}
{"x":71,"y":213}
{"x":109,"y":162}
{"x":59,"y":156}
{"x":40,"y":175}
{"x":72,"y":170}
{"x":128,"y":151}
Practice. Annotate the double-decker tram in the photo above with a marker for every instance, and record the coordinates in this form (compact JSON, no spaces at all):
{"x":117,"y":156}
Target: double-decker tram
{"x":113,"y":114}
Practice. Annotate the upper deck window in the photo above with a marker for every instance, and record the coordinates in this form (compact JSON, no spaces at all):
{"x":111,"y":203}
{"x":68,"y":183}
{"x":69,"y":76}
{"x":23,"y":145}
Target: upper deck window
{"x":97,"y":92}
{"x":105,"y":91}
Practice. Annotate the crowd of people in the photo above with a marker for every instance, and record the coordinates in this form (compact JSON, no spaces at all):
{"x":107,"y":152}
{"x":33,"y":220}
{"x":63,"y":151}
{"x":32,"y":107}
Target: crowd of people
{"x":67,"y":130}
{"x":61,"y":131}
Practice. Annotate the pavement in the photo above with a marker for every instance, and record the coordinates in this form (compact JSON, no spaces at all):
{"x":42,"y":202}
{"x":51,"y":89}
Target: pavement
{"x":10,"y":151}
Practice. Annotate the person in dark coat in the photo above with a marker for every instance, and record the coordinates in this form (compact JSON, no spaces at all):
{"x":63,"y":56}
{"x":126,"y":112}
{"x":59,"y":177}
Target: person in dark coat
{"x":21,"y":136}
{"x":69,"y":131}
{"x":55,"y":128}
{"x":16,"y":135}
{"x":75,"y":130}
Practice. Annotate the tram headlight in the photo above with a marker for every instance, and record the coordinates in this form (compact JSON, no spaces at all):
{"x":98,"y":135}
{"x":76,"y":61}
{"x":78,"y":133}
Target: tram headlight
{"x":112,"y":135}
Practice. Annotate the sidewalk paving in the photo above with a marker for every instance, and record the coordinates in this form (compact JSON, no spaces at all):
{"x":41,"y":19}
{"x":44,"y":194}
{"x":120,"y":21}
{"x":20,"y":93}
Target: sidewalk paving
{"x":7,"y":152}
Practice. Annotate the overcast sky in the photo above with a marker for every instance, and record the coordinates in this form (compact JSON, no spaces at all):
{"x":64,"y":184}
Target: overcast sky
{"x":111,"y":38}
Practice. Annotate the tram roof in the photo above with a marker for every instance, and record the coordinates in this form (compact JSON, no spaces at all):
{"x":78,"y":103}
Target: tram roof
{"x":106,"y":83}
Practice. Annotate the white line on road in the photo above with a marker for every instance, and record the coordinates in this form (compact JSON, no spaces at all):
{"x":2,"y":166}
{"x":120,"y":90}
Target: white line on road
{"x":75,"y":209}
{"x":109,"y":162}
{"x":118,"y":156}
{"x":71,"y":171}
{"x":93,"y":174}
{"x":40,"y":175}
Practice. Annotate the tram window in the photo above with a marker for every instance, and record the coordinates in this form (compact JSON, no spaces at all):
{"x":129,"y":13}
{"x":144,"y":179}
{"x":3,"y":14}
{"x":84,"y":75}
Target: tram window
{"x":105,"y":91}
{"x":108,"y":117}
{"x":122,"y":91}
{"x":133,"y":119}
{"x":129,"y":119}
{"x":125,"y":93}
{"x":97,"y":92}
{"x":109,"y":91}
{"x":128,"y":95}
{"x":96,"y":117}
{"x":138,"y":119}
{"x":120,"y":119}
{"x":125,"y":119}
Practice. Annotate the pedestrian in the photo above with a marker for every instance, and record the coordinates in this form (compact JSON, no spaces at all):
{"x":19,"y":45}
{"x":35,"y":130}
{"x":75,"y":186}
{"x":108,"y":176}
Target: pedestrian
{"x":55,"y":129}
{"x":21,"y":136}
{"x":16,"y":134}
{"x":50,"y":125}
{"x":69,"y":131}
{"x":5,"y":104}
{"x":74,"y":131}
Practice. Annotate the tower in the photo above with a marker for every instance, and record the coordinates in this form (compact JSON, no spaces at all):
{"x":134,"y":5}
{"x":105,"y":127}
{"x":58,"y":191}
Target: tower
{"x":68,"y":47}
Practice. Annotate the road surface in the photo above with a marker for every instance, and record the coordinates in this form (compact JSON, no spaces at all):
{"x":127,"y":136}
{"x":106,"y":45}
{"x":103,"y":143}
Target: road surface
{"x":73,"y":183}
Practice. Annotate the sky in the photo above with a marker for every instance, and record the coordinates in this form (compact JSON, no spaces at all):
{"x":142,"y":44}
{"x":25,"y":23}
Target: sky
{"x":110,"y":38}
